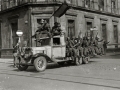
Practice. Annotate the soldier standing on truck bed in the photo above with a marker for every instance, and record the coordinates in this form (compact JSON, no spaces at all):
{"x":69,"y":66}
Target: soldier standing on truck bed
{"x":42,"y":31}
{"x":56,"y":29}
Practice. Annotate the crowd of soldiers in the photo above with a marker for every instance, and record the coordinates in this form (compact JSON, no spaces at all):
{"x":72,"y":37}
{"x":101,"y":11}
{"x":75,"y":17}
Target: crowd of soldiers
{"x":75,"y":46}
{"x":85,"y":46}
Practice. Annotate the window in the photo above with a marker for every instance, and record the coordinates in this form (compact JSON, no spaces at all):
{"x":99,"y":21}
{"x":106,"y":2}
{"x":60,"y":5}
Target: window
{"x":0,"y":36}
{"x":115,"y":33}
{"x":14,"y":27}
{"x":56,"y":41}
{"x":0,"y":4}
{"x":44,"y":42}
{"x":104,"y":30}
{"x":101,"y":5}
{"x":87,"y":3}
{"x":113,"y":6}
{"x":89,"y":26}
{"x":40,"y":0}
{"x":71,"y":28}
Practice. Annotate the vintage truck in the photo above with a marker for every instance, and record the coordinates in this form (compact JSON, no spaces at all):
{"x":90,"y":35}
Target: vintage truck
{"x":51,"y":50}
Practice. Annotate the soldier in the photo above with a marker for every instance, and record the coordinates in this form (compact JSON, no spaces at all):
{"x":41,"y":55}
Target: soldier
{"x":43,"y":30}
{"x":105,"y":46}
{"x":46,"y":29}
{"x":85,"y":46}
{"x":97,"y":46}
{"x":91,"y":45}
{"x":80,"y":48}
{"x":40,"y":28}
{"x":15,"y":53}
{"x":56,"y":30}
{"x":69,"y":46}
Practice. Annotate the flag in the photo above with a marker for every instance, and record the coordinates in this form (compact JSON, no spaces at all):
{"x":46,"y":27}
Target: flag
{"x":61,"y":10}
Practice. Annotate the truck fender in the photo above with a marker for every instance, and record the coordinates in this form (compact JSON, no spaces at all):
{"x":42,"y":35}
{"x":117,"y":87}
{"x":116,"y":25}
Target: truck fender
{"x":41,"y":54}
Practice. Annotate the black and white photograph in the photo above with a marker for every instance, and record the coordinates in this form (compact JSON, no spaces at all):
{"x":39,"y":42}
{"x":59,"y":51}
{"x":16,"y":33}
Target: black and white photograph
{"x":59,"y":44}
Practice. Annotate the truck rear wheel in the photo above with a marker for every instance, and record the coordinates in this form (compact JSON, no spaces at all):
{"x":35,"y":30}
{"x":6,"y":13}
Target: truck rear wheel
{"x":40,"y":63}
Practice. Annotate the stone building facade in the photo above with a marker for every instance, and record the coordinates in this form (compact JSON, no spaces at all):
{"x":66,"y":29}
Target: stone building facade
{"x":83,"y":15}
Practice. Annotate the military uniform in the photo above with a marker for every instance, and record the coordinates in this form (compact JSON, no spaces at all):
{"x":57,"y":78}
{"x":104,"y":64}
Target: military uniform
{"x":43,"y":30}
{"x":80,"y":48}
{"x":85,"y":47}
{"x":69,"y":46}
{"x":104,"y":47}
{"x":56,"y":30}
{"x":92,"y":47}
{"x":97,"y":47}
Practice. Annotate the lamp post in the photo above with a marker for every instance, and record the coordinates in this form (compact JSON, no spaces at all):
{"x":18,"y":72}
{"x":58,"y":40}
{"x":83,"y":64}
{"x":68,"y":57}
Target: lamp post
{"x":19,"y":33}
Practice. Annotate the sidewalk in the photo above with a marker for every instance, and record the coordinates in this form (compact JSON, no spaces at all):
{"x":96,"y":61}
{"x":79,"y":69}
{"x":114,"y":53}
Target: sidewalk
{"x":6,"y":60}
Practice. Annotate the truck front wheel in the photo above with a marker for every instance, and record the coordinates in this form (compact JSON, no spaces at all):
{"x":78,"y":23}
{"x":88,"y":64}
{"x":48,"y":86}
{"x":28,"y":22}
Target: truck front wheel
{"x":40,"y":63}
{"x":21,"y":67}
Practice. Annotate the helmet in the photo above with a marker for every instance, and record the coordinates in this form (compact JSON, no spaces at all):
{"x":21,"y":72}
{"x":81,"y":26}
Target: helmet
{"x":42,"y":21}
{"x":58,"y":25}
{"x":96,"y":38}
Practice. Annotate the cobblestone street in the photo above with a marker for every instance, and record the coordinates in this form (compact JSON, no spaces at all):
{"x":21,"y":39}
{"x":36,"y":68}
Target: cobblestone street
{"x":102,"y":73}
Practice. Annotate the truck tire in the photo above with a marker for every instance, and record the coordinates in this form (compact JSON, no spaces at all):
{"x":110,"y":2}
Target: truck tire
{"x":40,"y":63}
{"x":21,"y":67}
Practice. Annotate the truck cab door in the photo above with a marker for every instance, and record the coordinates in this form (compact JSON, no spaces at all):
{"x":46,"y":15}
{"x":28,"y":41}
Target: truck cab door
{"x":58,"y":48}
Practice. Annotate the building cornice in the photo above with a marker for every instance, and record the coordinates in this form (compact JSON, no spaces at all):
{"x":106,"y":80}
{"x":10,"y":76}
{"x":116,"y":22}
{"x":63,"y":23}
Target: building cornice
{"x":47,"y":4}
{"x":95,"y":11}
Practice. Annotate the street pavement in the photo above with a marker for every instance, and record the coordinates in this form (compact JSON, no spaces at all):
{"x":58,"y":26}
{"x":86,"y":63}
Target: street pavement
{"x":102,"y":73}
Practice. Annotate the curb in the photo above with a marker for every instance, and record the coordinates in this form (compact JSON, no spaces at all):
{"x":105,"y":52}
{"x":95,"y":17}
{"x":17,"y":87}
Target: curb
{"x":4,"y":60}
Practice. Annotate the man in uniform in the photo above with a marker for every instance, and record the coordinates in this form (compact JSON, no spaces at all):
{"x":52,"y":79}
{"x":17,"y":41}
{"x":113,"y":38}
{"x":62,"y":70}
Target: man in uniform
{"x":46,"y":30}
{"x":56,"y":30}
{"x":98,"y":48}
{"x":92,"y":47}
{"x":71,"y":48}
{"x":43,"y":31}
{"x":40,"y":28}
{"x":85,"y":46}
{"x":105,"y":46}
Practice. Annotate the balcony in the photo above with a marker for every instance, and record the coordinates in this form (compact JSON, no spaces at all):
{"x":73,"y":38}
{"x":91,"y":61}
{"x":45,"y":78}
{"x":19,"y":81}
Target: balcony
{"x":13,"y":3}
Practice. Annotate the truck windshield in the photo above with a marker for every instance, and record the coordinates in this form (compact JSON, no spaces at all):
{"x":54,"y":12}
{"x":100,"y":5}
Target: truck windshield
{"x":44,"y":42}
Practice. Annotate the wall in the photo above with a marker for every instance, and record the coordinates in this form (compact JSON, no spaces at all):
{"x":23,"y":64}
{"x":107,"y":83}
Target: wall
{"x":22,"y":15}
